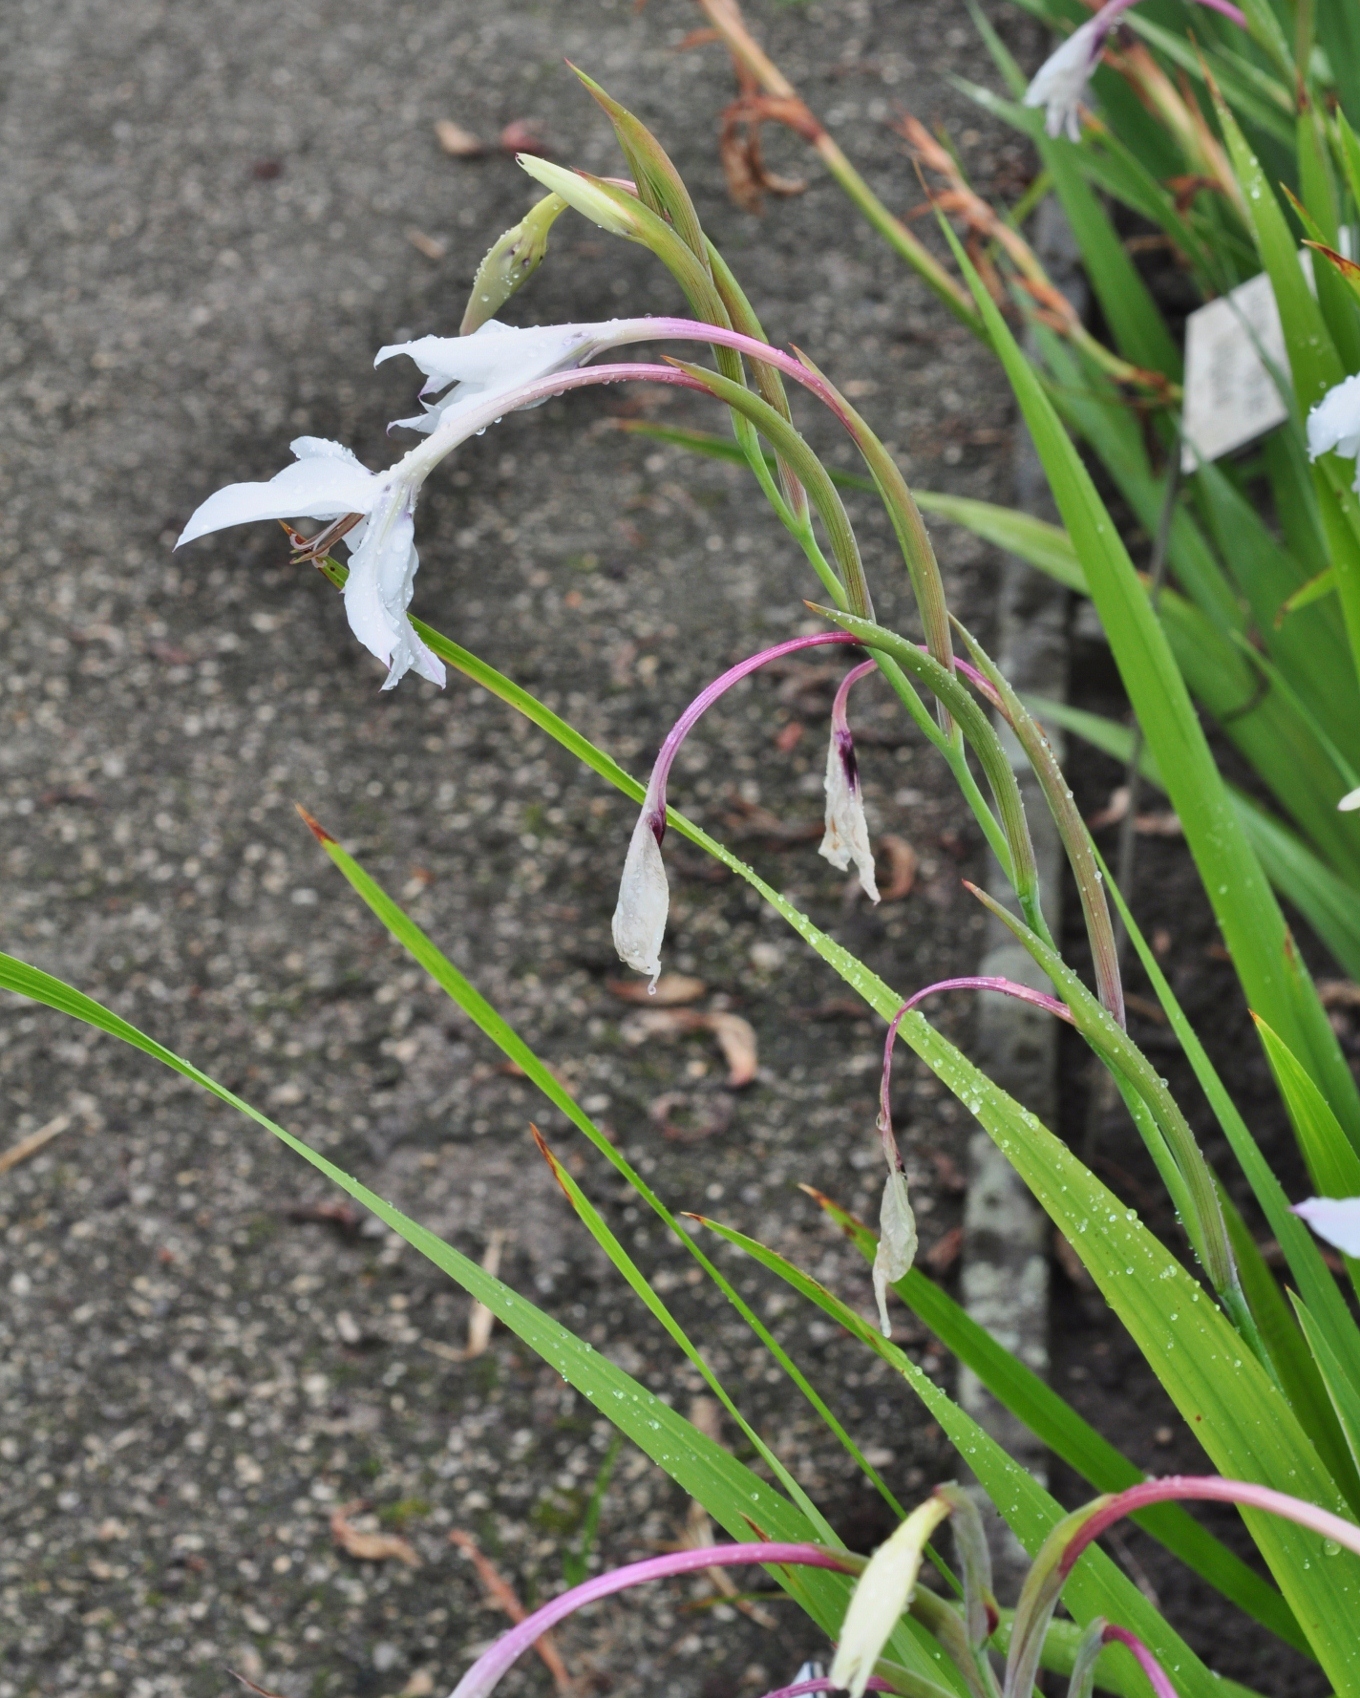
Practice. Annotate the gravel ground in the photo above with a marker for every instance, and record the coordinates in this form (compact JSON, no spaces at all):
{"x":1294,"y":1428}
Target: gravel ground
{"x":208,"y":215}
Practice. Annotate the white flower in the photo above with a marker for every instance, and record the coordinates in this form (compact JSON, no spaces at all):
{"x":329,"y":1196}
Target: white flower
{"x":1337,"y":1219}
{"x":494,"y":359}
{"x":847,"y":830}
{"x":327,"y":482}
{"x":644,"y":900}
{"x":1351,"y":800}
{"x":881,"y":1594}
{"x":896,"y":1243}
{"x":1334,"y":424}
{"x":1060,"y":82}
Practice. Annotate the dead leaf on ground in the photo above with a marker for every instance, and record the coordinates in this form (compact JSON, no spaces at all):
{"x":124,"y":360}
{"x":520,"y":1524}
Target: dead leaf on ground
{"x":30,"y":1146}
{"x":789,"y":736}
{"x":902,"y":863}
{"x":458,"y":142}
{"x":369,"y":1547}
{"x":717,"y":1118}
{"x":1338,"y":993}
{"x":430,"y":246}
{"x":420,"y":1685}
{"x":521,"y":135}
{"x":480,"y":1319}
{"x":1146,"y":825}
{"x":1145,"y":1008}
{"x":749,"y":819}
{"x":944,"y":1252}
{"x":672,"y":989}
{"x":736,"y":1037}
{"x":502,"y":1594}
{"x":331,"y":1211}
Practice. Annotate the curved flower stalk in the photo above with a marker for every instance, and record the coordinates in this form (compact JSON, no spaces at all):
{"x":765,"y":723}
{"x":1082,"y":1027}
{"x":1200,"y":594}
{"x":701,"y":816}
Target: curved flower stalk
{"x":897,"y":1224}
{"x":487,"y":1671}
{"x":1059,"y":85}
{"x":644,"y":896}
{"x":1064,"y":1545}
{"x":847,"y":830}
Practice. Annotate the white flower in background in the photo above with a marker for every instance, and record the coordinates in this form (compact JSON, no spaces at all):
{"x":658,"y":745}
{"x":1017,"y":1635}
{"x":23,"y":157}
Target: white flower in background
{"x":494,"y":359}
{"x":644,"y":899}
{"x":847,"y":829}
{"x":896,"y":1243}
{"x":1334,"y":424}
{"x":1060,"y":82}
{"x":1335,"y":1219}
{"x":328,"y":482}
{"x":881,"y":1594}
{"x":1351,"y":800}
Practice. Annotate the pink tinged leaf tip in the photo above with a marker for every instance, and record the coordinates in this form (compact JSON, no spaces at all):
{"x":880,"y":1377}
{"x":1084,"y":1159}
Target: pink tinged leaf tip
{"x":487,"y":1671}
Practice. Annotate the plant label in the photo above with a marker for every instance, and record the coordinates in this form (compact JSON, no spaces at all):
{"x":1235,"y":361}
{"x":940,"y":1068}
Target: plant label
{"x":1231,"y":394}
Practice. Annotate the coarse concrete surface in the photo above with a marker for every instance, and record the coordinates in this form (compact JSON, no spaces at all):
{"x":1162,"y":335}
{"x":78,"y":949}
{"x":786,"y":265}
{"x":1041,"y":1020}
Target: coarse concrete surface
{"x":207,"y":233}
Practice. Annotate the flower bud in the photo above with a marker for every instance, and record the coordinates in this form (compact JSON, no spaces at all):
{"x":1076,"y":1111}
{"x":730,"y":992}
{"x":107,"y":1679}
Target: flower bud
{"x":896,"y":1243}
{"x":511,"y":261}
{"x":644,"y":899}
{"x":881,"y":1595}
{"x":589,"y":198}
{"x":847,"y":829}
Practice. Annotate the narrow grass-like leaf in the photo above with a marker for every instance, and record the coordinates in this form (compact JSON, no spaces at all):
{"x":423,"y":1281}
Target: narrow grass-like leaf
{"x":1027,"y":1508}
{"x":1274,"y":977}
{"x":1058,"y":1426}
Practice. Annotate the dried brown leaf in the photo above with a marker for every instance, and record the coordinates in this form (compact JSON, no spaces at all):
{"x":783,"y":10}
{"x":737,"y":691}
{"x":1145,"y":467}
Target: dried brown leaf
{"x":502,"y":1594}
{"x":30,"y":1146}
{"x":901,"y":859}
{"x":672,"y":990}
{"x":521,"y":135}
{"x":369,"y":1547}
{"x":458,"y":142}
{"x":430,"y":246}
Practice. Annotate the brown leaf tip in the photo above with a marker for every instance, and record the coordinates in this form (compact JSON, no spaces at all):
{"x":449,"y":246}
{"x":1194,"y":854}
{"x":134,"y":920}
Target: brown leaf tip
{"x":315,"y":826}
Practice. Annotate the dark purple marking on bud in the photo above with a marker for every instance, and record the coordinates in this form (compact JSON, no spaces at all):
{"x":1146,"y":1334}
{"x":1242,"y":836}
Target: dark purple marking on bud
{"x":845,"y":748}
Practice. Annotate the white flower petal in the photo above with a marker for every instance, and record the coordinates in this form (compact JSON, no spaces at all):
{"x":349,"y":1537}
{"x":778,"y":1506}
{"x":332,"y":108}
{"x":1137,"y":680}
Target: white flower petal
{"x":847,"y":829}
{"x":644,"y":901}
{"x":1349,"y":802}
{"x":1334,"y":424}
{"x":896,"y":1243}
{"x":1336,"y":1219}
{"x":493,"y":360}
{"x":1060,"y":82}
{"x":378,"y":591}
{"x":320,"y":485}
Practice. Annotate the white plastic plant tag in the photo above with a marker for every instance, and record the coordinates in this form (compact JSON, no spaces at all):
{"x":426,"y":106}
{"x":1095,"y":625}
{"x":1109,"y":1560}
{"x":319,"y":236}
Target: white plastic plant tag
{"x":1230,"y":395}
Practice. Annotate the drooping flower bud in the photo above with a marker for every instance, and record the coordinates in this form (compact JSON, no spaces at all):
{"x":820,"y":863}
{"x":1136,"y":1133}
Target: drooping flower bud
{"x":644,"y":898}
{"x":582,"y":191}
{"x":880,"y":1596}
{"x":847,"y":830}
{"x":896,"y":1243}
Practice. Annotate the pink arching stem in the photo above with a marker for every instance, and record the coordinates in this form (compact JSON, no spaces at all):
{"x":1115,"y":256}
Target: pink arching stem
{"x":484,"y":1674}
{"x":1209,"y":1487}
{"x":1007,"y":987}
{"x":654,"y":803}
{"x":839,"y":721}
{"x":1157,"y":1677}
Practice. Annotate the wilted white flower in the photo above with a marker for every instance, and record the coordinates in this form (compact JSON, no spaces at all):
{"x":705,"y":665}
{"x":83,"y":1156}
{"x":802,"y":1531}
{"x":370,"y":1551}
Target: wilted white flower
{"x":847,"y":829}
{"x":896,"y":1242}
{"x":1335,"y":1219}
{"x":328,"y":482}
{"x":1334,"y":424}
{"x":644,"y":900}
{"x":494,"y":359}
{"x":1059,"y":84}
{"x":881,"y":1594}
